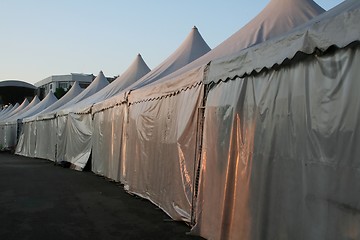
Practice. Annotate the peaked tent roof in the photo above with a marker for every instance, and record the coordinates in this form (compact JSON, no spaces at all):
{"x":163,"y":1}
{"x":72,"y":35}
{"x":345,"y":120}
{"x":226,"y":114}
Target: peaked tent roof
{"x":193,"y":47}
{"x":334,"y":27}
{"x":278,"y":17}
{"x":32,"y":104}
{"x":21,"y":107}
{"x":74,"y":91}
{"x":99,"y":83}
{"x":8,"y":111}
{"x":8,"y":108}
{"x":135,"y":71}
{"x":47,"y":101}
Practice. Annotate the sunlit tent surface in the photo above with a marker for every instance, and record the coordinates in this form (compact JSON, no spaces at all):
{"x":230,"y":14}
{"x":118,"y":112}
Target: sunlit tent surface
{"x":162,"y":126}
{"x":279,"y":152}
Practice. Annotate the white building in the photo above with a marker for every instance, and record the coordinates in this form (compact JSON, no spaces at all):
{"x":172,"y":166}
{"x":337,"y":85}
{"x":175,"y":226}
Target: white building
{"x":64,"y":81}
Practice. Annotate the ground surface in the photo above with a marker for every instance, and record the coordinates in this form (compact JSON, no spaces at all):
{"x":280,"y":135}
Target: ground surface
{"x":41,"y":201}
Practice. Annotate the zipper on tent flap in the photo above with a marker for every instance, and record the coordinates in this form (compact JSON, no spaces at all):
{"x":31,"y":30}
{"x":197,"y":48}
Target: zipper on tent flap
{"x":198,"y":152}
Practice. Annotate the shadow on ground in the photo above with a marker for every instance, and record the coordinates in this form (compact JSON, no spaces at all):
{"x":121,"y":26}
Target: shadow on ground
{"x":41,"y":201}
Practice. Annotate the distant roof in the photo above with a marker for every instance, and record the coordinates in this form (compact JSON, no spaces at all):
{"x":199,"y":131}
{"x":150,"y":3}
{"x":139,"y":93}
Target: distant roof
{"x":72,"y":77}
{"x":16,"y":83}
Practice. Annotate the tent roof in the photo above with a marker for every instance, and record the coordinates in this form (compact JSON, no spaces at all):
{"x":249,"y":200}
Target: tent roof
{"x":47,"y":101}
{"x":193,"y":47}
{"x":74,"y":91}
{"x":8,"y":111}
{"x":99,"y":83}
{"x":135,"y":71}
{"x":32,"y":104}
{"x":23,"y":105}
{"x":4,"y":111}
{"x":19,"y":108}
{"x":335,"y":27}
{"x":278,"y":17}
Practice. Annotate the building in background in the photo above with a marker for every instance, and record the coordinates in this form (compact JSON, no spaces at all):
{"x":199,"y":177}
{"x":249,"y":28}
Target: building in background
{"x":65,"y":82}
{"x":62,"y":81}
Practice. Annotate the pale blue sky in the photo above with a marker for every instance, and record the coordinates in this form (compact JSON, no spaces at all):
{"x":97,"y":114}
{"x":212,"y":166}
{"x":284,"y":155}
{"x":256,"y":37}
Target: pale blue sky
{"x":39,"y":38}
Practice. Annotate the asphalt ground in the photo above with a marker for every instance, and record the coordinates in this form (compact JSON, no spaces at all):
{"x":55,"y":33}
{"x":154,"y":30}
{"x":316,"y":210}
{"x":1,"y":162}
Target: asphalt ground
{"x":39,"y":200}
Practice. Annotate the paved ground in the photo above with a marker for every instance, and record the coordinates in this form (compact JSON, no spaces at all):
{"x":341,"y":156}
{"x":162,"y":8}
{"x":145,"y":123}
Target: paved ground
{"x":41,"y":201}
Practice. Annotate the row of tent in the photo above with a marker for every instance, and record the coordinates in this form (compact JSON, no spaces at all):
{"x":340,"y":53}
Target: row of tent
{"x":254,"y":139}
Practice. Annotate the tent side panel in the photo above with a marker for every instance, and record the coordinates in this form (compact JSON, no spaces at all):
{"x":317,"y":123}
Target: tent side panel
{"x":107,"y":142}
{"x":280,"y":157}
{"x":61,"y":136}
{"x":160,"y":151}
{"x":78,"y":139}
{"x":46,"y":139}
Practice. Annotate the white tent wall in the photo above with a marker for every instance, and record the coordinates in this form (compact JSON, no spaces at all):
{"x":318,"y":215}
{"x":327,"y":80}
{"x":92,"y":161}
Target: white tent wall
{"x":45,"y":129}
{"x":108,"y":142}
{"x":136,"y":70}
{"x":280,"y":153}
{"x":13,"y":124}
{"x":45,"y":139}
{"x":192,"y":48}
{"x":61,"y":136}
{"x":27,"y":140}
{"x":74,"y":141}
{"x":77,"y":139}
{"x":160,"y":150}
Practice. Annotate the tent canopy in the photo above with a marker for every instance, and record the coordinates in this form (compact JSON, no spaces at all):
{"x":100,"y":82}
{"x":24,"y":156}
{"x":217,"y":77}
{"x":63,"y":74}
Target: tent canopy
{"x":193,"y":47}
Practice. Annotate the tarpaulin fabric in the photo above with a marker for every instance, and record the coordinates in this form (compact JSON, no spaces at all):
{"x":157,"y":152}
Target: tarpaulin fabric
{"x":160,"y":149}
{"x":45,"y":139}
{"x":107,"y":142}
{"x":45,"y":127}
{"x":280,"y":158}
{"x":75,"y":150}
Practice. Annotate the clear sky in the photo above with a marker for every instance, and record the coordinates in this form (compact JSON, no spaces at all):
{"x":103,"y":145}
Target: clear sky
{"x":39,"y":38}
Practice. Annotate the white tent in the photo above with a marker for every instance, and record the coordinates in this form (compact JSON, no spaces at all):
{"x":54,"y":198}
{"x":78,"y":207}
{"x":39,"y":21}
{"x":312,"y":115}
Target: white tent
{"x":162,"y":122}
{"x":192,"y":48}
{"x":135,"y":71}
{"x":74,"y":131}
{"x":84,"y":123}
{"x":12,"y":124}
{"x":41,"y":129}
{"x":74,"y":92}
{"x":19,"y":108}
{"x":35,"y":101}
{"x":8,"y":111}
{"x":99,"y":83}
{"x":279,"y":152}
{"x":109,"y":115}
{"x":43,"y":104}
{"x":4,"y":129}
